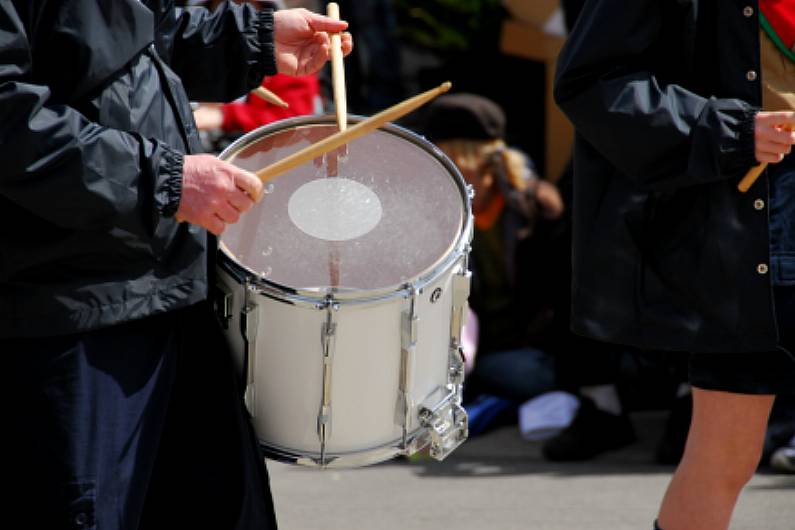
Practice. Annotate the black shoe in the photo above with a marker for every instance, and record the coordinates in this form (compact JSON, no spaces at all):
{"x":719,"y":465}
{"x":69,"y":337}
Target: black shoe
{"x":783,"y":460}
{"x":592,"y":432}
{"x":672,"y":444}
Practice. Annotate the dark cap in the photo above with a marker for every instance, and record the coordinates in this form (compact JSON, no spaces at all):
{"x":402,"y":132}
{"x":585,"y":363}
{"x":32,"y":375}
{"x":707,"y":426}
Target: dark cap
{"x":463,"y":116}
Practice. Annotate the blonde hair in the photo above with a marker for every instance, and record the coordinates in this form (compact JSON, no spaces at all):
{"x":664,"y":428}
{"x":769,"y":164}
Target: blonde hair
{"x":477,"y":155}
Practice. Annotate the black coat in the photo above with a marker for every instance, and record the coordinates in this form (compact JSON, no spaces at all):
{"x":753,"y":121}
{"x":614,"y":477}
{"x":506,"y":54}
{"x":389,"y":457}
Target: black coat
{"x":94,"y":121}
{"x":666,"y":252}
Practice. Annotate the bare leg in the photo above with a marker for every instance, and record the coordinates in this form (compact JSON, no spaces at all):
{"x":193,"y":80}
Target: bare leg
{"x":722,"y":452}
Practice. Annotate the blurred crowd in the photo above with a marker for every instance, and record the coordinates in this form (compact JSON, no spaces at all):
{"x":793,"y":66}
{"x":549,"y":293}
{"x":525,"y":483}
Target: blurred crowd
{"x":573,"y":395}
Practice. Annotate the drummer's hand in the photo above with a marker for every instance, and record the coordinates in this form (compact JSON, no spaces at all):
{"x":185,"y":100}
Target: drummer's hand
{"x":215,"y":193}
{"x":773,"y":136}
{"x":302,"y":41}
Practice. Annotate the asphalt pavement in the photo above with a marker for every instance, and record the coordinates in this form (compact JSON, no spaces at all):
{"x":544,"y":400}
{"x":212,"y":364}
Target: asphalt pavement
{"x":498,"y":481}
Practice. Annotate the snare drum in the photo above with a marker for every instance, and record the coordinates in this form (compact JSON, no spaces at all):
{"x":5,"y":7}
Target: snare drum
{"x":342,"y":293}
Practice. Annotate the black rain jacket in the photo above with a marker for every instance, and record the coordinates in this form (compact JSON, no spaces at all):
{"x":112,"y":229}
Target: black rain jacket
{"x":667,"y":253}
{"x":94,"y":122}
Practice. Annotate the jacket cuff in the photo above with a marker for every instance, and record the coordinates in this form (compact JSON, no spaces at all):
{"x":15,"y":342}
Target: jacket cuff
{"x":737,"y":148}
{"x":169,"y":189}
{"x":747,"y":137}
{"x":266,"y":59}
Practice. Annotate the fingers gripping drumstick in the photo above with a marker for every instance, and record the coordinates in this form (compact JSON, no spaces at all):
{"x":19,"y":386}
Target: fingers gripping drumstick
{"x":753,"y":174}
{"x":343,"y":137}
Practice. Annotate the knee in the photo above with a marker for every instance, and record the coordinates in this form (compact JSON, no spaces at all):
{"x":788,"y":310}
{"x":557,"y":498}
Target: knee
{"x":730,"y":467}
{"x":727,"y":435}
{"x":740,"y":470}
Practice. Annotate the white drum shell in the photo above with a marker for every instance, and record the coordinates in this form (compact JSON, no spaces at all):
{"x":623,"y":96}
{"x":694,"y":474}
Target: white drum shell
{"x":366,"y":402}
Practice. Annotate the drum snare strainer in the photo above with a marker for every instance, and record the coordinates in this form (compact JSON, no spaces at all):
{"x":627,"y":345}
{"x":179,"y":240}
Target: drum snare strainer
{"x":343,"y":297}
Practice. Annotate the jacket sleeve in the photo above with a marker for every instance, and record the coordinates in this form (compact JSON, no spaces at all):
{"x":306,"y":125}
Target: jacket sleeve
{"x":70,"y":171}
{"x":661,"y":135}
{"x":218,"y":55}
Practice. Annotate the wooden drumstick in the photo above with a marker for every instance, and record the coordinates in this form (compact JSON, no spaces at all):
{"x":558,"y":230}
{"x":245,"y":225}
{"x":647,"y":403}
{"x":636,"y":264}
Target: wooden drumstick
{"x":338,"y":70}
{"x":750,"y":177}
{"x":343,"y":137}
{"x":341,"y":109}
{"x":270,"y":97}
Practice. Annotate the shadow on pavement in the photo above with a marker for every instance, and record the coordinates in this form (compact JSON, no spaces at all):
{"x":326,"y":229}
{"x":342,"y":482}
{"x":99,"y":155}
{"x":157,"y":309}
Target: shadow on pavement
{"x":504,"y":452}
{"x":779,"y":482}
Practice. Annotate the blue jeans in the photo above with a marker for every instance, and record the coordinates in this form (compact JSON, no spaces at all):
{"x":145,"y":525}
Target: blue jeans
{"x":782,"y":222}
{"x":520,"y":374}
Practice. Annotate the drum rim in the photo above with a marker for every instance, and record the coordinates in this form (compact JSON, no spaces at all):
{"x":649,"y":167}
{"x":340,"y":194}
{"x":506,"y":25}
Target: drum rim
{"x":320,"y":296}
{"x":367,"y":456}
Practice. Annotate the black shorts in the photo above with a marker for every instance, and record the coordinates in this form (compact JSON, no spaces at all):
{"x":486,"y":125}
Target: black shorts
{"x":767,"y":372}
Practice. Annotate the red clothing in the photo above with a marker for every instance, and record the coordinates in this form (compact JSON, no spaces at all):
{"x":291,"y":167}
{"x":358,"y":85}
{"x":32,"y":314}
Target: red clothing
{"x":491,"y":213}
{"x":301,"y":93}
{"x":781,"y":15}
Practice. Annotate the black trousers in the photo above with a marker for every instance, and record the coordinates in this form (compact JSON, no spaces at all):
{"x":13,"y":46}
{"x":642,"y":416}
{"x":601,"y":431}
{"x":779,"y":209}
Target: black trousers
{"x":139,"y":426}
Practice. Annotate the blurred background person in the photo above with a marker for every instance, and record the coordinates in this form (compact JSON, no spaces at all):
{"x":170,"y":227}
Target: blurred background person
{"x":301,"y":93}
{"x":222,"y":123}
{"x":508,"y":202}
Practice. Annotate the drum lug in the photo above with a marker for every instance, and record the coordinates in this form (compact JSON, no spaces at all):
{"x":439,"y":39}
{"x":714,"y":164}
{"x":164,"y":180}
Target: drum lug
{"x":328,"y":334}
{"x":461,"y":287}
{"x":249,"y":323}
{"x":408,"y":333}
{"x":408,"y":344}
{"x":445,"y":420}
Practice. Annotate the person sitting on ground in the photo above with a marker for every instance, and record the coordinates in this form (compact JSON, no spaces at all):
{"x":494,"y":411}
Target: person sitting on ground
{"x":509,"y":199}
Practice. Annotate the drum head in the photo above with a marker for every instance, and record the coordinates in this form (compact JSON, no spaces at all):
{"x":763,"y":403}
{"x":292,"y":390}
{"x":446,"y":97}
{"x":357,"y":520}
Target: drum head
{"x":387,"y":211}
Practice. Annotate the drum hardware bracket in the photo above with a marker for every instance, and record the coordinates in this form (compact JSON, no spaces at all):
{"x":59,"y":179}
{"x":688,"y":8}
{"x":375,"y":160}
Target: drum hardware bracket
{"x":222,"y":303}
{"x":249,"y":323}
{"x":408,"y":336}
{"x":461,"y":287}
{"x":408,"y":344}
{"x":445,"y":420}
{"x":328,"y":334}
{"x":456,"y":371}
